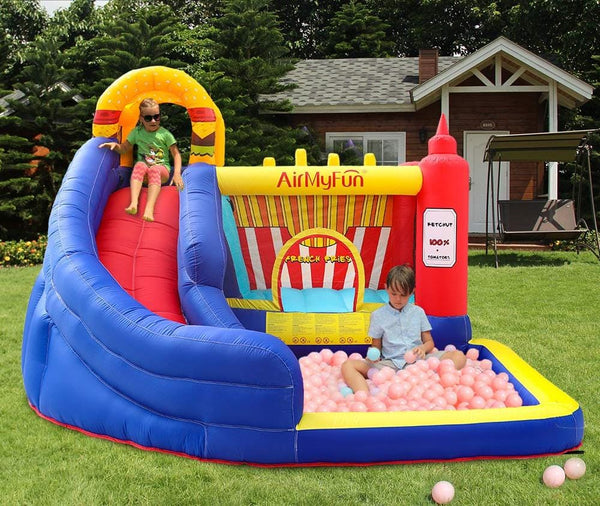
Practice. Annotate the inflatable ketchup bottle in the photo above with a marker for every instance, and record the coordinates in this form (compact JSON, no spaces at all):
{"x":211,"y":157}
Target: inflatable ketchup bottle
{"x":442,"y":228}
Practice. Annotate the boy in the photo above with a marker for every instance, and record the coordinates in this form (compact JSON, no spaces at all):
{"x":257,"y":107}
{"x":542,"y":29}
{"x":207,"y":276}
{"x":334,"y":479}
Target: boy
{"x":396,"y":328}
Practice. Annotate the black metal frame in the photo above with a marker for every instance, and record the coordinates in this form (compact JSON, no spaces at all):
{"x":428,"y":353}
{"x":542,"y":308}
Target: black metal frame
{"x":533,"y":150}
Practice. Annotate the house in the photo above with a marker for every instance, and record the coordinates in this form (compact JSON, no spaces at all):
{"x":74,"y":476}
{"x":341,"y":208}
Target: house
{"x":391,"y":106}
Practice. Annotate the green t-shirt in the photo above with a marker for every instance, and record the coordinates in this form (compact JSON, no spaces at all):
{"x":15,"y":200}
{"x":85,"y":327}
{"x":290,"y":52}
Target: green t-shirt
{"x":152,"y":147}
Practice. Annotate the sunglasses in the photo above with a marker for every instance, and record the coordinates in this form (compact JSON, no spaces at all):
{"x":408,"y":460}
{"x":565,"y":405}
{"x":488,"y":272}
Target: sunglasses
{"x":149,"y":117}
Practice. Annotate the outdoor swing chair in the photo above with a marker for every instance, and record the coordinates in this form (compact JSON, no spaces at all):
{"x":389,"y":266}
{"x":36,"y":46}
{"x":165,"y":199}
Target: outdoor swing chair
{"x":539,"y":219}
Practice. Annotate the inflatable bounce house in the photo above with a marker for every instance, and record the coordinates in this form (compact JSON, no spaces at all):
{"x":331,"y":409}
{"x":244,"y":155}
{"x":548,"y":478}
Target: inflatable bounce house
{"x":184,"y":335}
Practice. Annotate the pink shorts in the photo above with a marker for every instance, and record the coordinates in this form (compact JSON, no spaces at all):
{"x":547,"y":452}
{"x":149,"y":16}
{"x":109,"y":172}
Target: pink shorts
{"x":157,"y":174}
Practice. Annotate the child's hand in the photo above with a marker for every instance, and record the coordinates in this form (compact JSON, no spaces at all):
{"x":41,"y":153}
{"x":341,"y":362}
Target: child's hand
{"x":178,"y":181}
{"x":419,"y":352}
{"x":111,"y":145}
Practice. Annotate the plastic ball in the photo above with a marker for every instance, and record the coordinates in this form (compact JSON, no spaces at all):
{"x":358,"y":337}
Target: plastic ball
{"x":326,"y":355}
{"x":409,"y":357}
{"x":513,"y":400}
{"x":345,"y":391}
{"x":554,"y":476}
{"x":373,"y":354}
{"x":472,"y":353}
{"x":442,"y":492}
{"x":574,"y":468}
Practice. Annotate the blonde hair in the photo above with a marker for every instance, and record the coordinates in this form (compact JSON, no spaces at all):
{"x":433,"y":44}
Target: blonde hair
{"x":148,"y":102}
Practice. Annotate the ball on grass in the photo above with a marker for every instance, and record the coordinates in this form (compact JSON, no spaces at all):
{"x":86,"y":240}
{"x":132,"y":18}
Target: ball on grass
{"x":442,"y":492}
{"x":574,"y":468}
{"x":554,"y":476}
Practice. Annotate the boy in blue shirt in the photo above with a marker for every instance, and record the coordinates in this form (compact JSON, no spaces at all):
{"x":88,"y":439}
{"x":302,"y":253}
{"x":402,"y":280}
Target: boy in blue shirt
{"x":396,"y":328}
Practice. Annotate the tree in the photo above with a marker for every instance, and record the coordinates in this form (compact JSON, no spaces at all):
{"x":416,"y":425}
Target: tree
{"x":304,"y":24}
{"x":18,"y":212}
{"x":145,"y":41}
{"x":354,"y":32}
{"x":49,"y":117}
{"x":248,"y":61}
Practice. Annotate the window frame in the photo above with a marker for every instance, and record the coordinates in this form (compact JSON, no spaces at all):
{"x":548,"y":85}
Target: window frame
{"x":367,"y":136}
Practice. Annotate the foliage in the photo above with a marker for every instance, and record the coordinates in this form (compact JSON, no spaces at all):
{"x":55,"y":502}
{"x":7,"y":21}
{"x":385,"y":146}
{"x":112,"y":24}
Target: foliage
{"x":249,"y":60}
{"x":239,"y":50}
{"x":23,"y":253}
{"x":354,"y":32}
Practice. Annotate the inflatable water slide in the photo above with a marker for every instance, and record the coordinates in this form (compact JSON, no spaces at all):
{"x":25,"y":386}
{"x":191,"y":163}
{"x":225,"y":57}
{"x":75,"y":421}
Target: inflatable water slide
{"x":184,"y":335}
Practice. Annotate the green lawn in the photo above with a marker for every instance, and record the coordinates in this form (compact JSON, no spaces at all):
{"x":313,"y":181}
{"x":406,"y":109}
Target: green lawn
{"x":545,"y":306}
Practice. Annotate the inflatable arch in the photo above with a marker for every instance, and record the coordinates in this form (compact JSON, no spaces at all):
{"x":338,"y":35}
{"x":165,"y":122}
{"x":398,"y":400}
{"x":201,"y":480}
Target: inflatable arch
{"x":117,"y":110}
{"x":170,"y":336}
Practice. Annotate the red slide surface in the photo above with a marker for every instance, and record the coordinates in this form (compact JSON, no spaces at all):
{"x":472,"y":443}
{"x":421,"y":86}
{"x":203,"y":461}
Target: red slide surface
{"x":142,"y":256}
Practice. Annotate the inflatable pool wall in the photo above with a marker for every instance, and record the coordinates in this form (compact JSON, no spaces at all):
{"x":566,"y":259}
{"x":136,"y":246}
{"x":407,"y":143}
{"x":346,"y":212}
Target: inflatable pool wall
{"x":97,"y":360}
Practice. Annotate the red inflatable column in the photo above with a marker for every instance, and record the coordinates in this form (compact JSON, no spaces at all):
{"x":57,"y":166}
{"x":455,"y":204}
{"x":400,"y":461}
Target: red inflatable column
{"x":442,"y":228}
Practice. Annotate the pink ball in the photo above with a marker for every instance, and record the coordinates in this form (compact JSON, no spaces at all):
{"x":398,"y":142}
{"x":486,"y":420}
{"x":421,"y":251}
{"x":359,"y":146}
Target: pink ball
{"x":355,"y":356}
{"x":486,"y":392}
{"x":433,"y":363}
{"x":448,"y":379}
{"x":410,"y":357}
{"x":477,"y":402}
{"x":451,"y":397}
{"x":339,"y":357}
{"x":473,"y":353}
{"x":450,"y":347}
{"x":442,"y":492}
{"x":361,"y":396}
{"x":395,"y":391}
{"x":485,"y":364}
{"x":379,"y":378}
{"x":378,"y":406}
{"x":464,"y":393}
{"x":467,"y":379}
{"x":554,"y":476}
{"x":498,"y":383}
{"x":358,"y":406}
{"x":326,"y":355}
{"x":574,"y":468}
{"x":513,"y":400}
{"x":314,"y":357}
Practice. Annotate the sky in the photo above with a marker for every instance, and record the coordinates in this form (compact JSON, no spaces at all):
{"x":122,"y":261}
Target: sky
{"x":53,"y":5}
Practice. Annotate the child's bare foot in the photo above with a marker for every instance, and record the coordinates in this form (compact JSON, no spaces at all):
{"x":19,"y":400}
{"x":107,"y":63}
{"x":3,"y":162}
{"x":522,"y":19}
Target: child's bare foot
{"x":131,"y":209}
{"x":148,"y":217}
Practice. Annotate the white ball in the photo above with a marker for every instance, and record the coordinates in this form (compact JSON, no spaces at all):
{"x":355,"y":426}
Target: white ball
{"x":574,"y":468}
{"x":442,"y":492}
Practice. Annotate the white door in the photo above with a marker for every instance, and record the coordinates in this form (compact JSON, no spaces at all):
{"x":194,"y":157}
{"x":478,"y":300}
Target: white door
{"x":474,"y":148}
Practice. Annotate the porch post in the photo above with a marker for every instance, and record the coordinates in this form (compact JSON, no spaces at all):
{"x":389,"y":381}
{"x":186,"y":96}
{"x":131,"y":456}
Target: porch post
{"x":552,"y":127}
{"x":445,"y":103}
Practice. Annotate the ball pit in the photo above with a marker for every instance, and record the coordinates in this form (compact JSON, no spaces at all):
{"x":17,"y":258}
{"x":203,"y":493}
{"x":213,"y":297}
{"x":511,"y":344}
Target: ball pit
{"x":425,"y":385}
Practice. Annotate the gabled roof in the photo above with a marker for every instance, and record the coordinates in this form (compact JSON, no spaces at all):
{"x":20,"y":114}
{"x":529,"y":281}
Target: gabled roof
{"x":531,"y":69}
{"x":391,"y":84}
{"x":355,"y":84}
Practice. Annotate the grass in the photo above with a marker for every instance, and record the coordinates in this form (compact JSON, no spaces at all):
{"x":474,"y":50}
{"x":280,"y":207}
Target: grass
{"x":542,"y":305}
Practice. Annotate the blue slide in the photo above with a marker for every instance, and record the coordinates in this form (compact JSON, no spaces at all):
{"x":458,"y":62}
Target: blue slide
{"x":96,"y":360}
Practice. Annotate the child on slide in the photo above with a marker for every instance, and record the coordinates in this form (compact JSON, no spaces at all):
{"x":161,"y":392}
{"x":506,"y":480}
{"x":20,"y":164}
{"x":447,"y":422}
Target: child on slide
{"x":154,"y":144}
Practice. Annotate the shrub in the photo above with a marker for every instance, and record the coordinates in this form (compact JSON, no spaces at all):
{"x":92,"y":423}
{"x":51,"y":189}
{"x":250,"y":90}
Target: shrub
{"x":23,"y":253}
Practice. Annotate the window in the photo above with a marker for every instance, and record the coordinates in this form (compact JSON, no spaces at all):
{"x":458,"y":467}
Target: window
{"x":389,"y":148}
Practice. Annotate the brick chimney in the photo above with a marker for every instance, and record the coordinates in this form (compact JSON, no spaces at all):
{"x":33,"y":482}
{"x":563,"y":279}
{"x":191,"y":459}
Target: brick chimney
{"x":428,"y":64}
